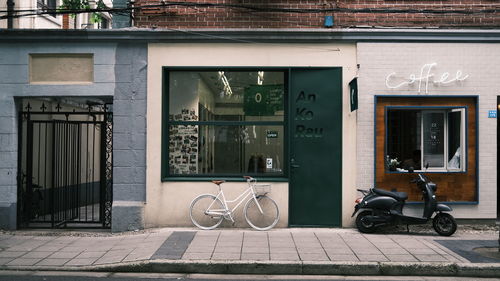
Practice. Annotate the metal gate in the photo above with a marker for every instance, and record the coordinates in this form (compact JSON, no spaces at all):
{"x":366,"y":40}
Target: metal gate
{"x":65,"y":167}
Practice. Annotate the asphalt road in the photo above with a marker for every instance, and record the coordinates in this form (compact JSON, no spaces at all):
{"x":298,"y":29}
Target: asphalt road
{"x":106,"y":276}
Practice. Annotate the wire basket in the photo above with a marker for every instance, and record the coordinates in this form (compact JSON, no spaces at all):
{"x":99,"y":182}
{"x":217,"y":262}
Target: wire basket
{"x":261,"y":189}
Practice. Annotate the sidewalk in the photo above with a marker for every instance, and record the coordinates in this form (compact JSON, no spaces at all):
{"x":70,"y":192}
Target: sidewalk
{"x":245,"y":251}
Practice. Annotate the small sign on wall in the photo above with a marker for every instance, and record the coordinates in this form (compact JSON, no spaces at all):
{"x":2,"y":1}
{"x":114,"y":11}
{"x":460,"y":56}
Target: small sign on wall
{"x":492,"y":114}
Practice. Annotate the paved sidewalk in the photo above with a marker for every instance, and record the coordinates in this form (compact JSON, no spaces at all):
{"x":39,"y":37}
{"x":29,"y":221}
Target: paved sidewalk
{"x":278,"y":250}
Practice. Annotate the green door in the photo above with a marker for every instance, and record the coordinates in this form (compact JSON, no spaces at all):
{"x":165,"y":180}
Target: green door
{"x":315,"y":147}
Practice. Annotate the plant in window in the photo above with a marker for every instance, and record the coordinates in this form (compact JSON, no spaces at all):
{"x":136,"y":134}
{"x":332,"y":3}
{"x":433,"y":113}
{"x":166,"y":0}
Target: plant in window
{"x":392,"y":164}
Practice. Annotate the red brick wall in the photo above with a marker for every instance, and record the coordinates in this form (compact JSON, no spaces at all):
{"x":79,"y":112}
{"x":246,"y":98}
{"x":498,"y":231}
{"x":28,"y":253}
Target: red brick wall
{"x":227,"y":17}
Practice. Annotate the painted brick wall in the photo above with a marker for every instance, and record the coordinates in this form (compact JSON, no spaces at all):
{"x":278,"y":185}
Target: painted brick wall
{"x":479,"y":61}
{"x":311,"y":13}
{"x":119,"y":71}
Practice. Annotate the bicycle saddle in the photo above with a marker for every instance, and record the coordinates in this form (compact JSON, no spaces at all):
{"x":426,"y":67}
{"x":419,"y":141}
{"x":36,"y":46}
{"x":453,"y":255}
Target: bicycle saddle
{"x":400,"y":196}
{"x":218,"y":182}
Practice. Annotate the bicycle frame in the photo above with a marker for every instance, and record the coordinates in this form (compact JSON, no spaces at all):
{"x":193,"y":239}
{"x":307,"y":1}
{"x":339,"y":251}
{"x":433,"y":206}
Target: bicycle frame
{"x":241,"y":198}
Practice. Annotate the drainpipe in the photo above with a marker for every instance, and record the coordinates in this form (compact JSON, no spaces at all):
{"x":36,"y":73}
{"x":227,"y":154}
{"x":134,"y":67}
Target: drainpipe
{"x":10,"y":13}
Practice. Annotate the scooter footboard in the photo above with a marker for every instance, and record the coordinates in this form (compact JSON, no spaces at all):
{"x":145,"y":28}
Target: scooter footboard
{"x":443,"y":208}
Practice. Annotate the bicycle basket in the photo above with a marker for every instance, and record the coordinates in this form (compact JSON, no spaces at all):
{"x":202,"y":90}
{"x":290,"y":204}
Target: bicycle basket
{"x":261,"y":189}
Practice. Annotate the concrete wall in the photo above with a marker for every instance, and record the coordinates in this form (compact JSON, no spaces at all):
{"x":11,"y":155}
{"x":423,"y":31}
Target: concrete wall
{"x":480,"y":61}
{"x":168,"y":202}
{"x":119,"y":71}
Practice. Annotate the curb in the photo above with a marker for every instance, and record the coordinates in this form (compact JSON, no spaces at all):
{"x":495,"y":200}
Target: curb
{"x":287,"y":268}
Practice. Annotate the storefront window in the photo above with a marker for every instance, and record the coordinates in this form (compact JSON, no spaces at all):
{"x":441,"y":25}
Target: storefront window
{"x":430,"y":139}
{"x":226,"y":123}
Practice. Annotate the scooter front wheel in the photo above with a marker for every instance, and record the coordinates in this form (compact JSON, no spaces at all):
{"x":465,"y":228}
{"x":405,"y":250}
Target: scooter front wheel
{"x":444,"y":224}
{"x":363,"y":224}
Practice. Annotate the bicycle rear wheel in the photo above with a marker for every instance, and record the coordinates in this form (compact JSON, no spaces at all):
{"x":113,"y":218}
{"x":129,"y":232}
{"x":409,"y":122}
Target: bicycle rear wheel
{"x":264,"y":220}
{"x":200,"y":208}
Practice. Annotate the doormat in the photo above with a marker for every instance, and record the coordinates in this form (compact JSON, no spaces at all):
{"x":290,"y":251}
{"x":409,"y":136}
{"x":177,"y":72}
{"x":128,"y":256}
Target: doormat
{"x":465,"y":248}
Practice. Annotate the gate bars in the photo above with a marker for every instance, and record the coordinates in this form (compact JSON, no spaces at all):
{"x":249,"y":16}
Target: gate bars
{"x":65,"y":167}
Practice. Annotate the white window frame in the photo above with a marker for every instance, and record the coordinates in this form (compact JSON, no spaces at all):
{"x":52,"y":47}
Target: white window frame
{"x":463,"y":138}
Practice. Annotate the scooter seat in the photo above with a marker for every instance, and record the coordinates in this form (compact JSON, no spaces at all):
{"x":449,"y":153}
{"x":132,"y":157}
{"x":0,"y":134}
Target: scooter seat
{"x":400,"y":196}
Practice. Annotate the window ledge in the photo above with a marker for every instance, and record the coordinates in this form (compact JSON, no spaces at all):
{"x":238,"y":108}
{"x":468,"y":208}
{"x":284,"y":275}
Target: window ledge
{"x":229,"y":179}
{"x":437,"y":171}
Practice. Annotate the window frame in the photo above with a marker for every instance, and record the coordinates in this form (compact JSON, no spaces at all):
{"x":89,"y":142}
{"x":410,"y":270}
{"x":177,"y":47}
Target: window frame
{"x":433,"y":109}
{"x":166,"y":123}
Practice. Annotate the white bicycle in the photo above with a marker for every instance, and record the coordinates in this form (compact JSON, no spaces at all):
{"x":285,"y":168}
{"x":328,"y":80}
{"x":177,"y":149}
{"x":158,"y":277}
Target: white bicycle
{"x":261,"y":212}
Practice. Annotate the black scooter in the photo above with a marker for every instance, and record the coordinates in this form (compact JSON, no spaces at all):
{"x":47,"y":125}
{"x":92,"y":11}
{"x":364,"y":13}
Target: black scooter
{"x":379,"y":207}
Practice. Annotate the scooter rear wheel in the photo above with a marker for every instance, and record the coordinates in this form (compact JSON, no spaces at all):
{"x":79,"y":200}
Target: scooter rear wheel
{"x":444,"y":224}
{"x":363,"y":224}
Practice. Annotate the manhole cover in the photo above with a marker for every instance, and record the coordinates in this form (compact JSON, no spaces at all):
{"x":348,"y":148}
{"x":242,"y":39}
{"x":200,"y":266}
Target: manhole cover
{"x":489,"y":252}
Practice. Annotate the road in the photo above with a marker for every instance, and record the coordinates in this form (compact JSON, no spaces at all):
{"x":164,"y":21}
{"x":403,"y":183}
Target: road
{"x":107,"y":276}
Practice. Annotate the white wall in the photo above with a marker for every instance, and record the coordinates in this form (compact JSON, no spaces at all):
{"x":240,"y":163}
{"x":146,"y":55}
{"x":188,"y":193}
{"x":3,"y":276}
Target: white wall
{"x":480,"y":61}
{"x":168,"y":202}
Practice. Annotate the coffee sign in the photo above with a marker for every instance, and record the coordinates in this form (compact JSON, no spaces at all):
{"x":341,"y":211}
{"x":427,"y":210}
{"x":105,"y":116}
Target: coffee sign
{"x":424,"y":78}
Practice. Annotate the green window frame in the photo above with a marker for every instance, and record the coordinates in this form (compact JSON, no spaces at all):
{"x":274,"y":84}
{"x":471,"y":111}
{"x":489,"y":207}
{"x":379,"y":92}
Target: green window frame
{"x":173,"y":123}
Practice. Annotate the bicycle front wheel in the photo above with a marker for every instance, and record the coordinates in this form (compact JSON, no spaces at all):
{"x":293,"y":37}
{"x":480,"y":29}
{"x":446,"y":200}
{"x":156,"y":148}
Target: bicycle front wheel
{"x":206,"y":211}
{"x":265,"y":219}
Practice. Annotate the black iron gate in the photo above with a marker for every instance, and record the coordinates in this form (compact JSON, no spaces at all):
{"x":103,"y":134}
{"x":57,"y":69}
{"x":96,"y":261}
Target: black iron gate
{"x":65,"y":167}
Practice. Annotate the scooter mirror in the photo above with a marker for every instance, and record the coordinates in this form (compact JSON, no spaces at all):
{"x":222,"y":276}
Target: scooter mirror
{"x":410,"y":170}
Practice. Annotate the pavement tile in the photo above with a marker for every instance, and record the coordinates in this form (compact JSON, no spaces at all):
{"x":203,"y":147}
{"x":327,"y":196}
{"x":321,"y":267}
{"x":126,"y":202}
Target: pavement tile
{"x":110,"y":259}
{"x":282,"y":245}
{"x":339,"y":251}
{"x":200,"y":249}
{"x":377,"y":258}
{"x":81,"y":262}
{"x":4,"y":261}
{"x":229,"y":244}
{"x":23,"y":248}
{"x":10,"y":254}
{"x":255,"y":250}
{"x":254,"y":256}
{"x":366,"y":251}
{"x":74,"y":249}
{"x":285,"y":257}
{"x":23,"y":261}
{"x":50,"y":248}
{"x":434,"y":257}
{"x":282,"y":250}
{"x":226,"y":256}
{"x":53,"y":262}
{"x":401,"y":258}
{"x":340,"y":257}
{"x":64,"y":255}
{"x":394,"y":251}
{"x":89,"y":254}
{"x":422,"y":251}
{"x":37,"y":255}
{"x":138,"y":256}
{"x":313,"y":257}
{"x":197,"y":256}
{"x":227,"y":249}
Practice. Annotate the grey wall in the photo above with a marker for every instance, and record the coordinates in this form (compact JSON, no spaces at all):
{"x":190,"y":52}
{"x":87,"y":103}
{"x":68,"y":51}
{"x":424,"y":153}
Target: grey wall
{"x":129,"y":139}
{"x":119,"y":71}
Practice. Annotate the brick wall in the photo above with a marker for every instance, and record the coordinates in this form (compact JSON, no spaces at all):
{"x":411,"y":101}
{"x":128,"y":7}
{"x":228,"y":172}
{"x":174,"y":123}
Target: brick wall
{"x":347,"y":13}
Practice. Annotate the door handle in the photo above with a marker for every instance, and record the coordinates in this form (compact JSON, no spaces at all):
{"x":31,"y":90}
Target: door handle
{"x":294,"y":166}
